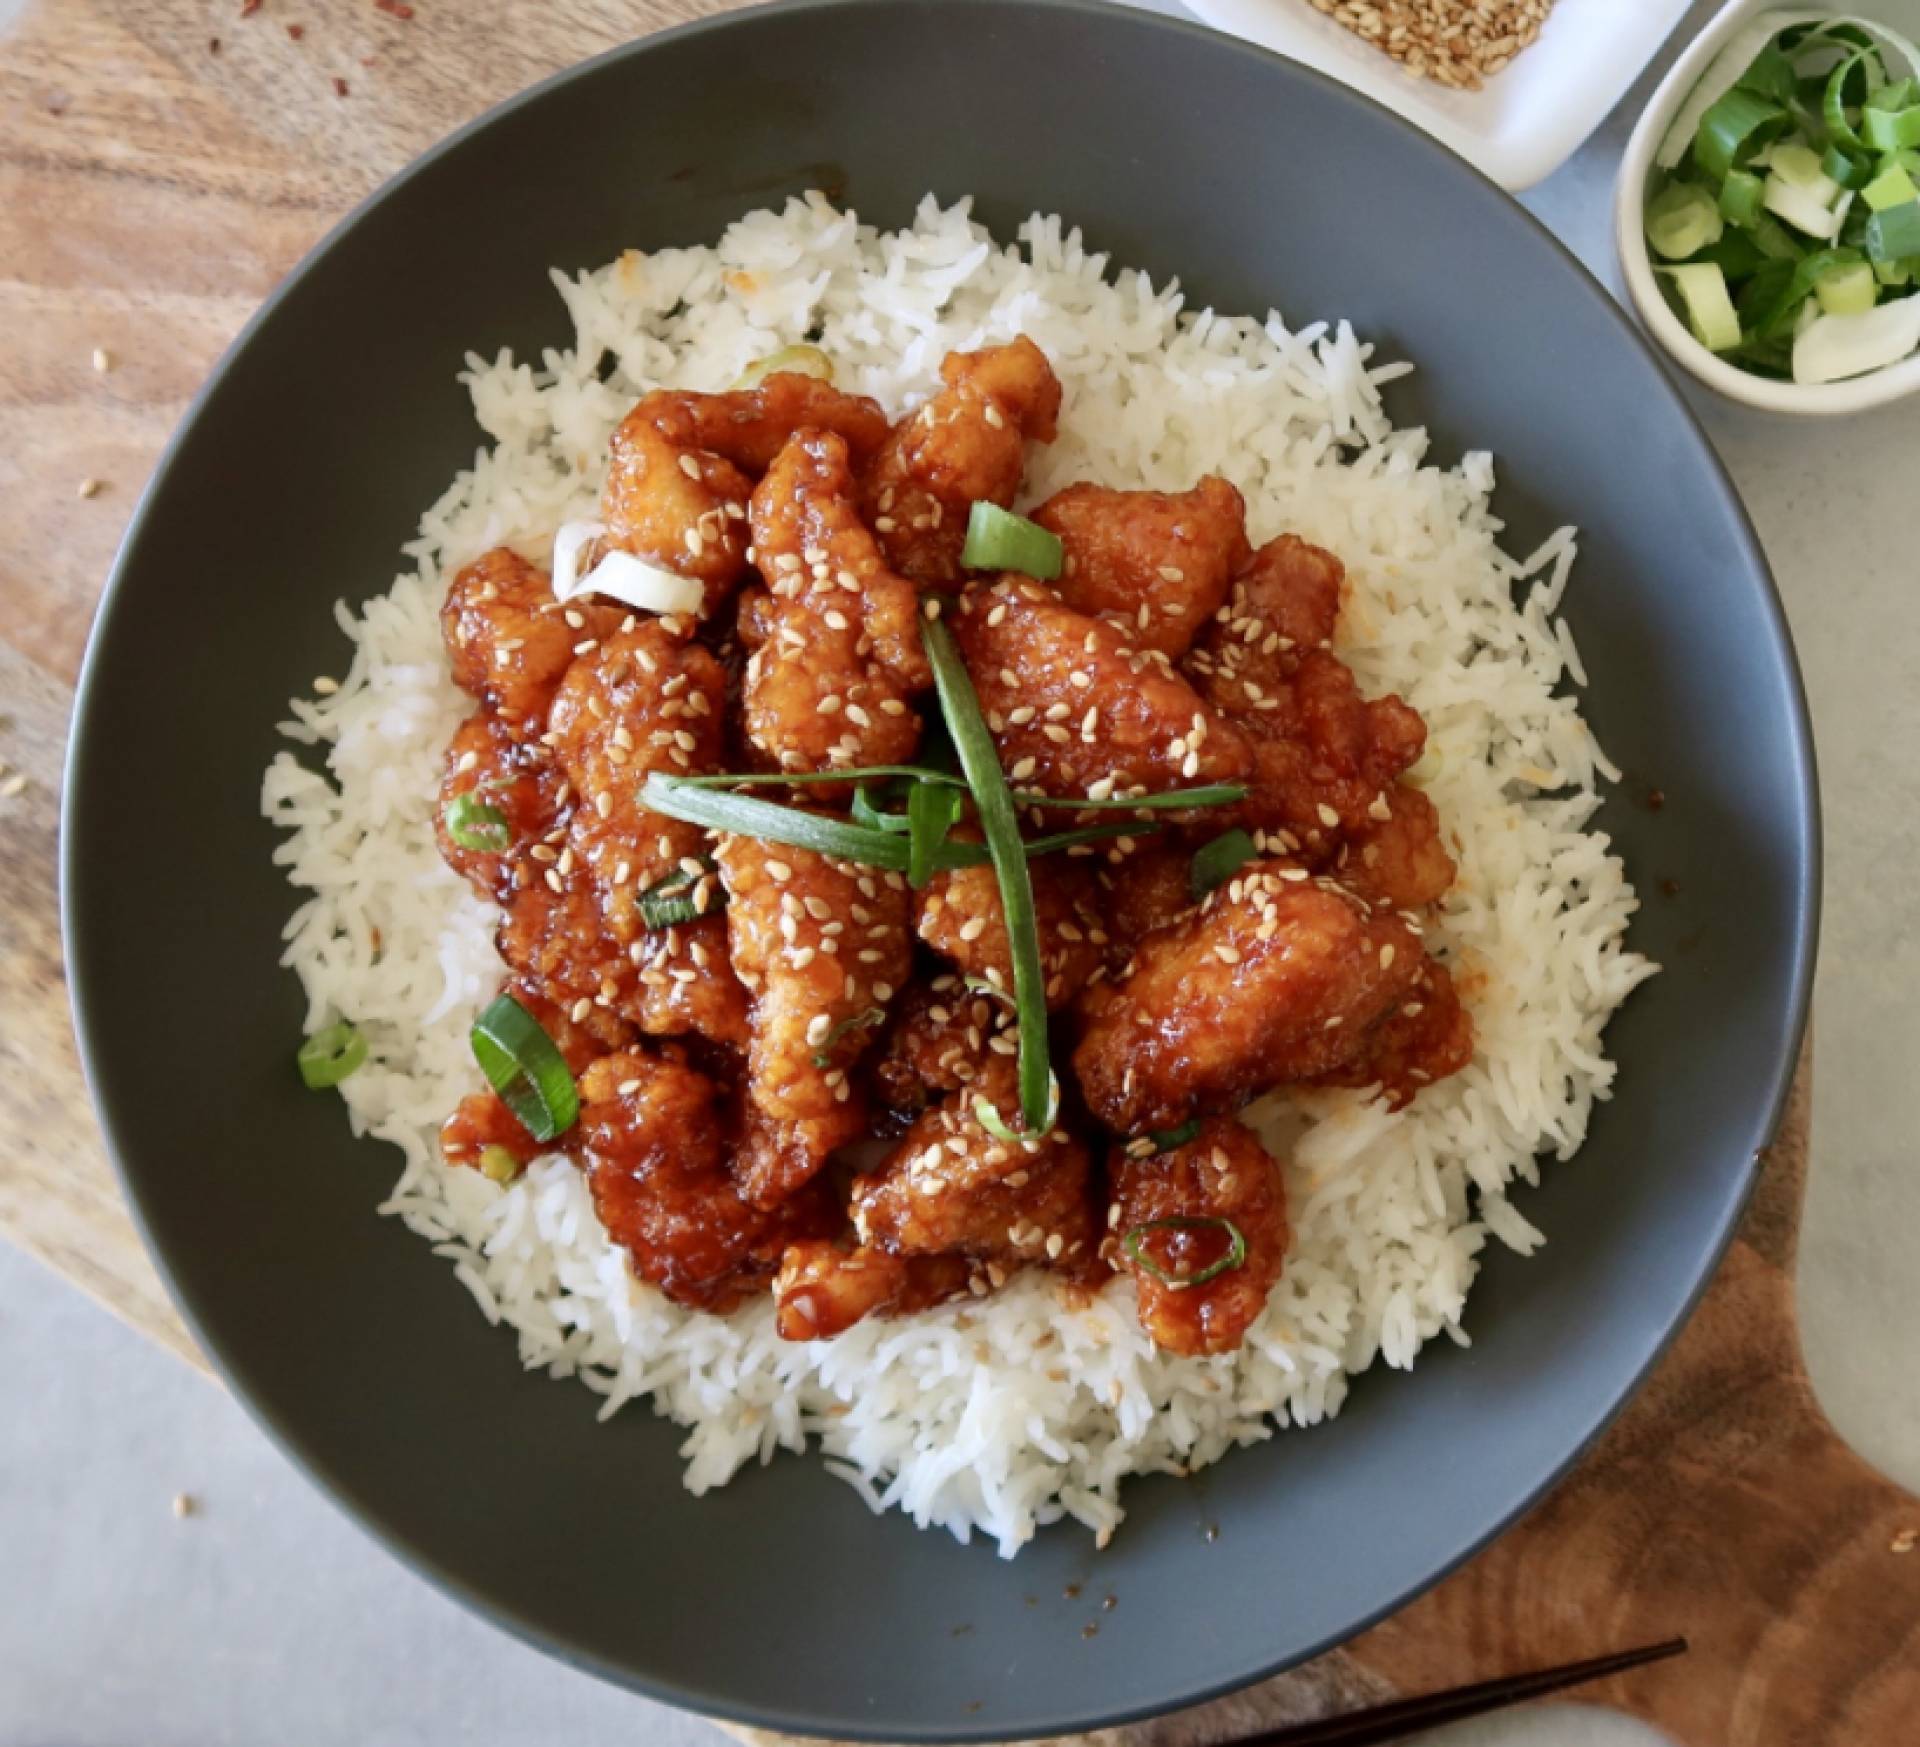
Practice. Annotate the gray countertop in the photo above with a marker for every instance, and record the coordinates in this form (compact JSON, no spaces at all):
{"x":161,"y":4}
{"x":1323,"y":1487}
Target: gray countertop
{"x":264,"y":1615}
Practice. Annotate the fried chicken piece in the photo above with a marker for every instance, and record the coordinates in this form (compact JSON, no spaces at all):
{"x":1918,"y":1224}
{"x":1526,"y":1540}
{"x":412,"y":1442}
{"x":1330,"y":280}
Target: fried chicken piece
{"x":950,"y":1186}
{"x":683,"y":465}
{"x":1397,"y":857}
{"x":823,"y":1290}
{"x":775,"y":1158}
{"x":481,"y":1119}
{"x":1143,"y":891}
{"x":824,"y":948}
{"x":1277,"y":977}
{"x":1075,"y":709}
{"x":835,"y":636}
{"x":966,"y":444}
{"x":941,"y":1030}
{"x":654,"y":1145}
{"x":1424,"y":1038}
{"x":1325,"y":756}
{"x":1157,"y":564}
{"x":961,"y":917}
{"x":503,"y":767}
{"x":508,"y":639}
{"x":1222,"y":1175}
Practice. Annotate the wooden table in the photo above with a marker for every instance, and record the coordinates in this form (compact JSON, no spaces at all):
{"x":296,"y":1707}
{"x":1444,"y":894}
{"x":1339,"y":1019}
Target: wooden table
{"x":163,"y":163}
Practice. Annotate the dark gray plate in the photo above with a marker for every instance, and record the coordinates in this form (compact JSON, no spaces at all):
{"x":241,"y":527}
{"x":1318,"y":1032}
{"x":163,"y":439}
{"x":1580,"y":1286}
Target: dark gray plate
{"x":304,"y":466}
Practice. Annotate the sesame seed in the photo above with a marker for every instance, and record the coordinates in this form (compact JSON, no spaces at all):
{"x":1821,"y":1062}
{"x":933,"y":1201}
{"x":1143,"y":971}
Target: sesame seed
{"x":780,"y":871}
{"x":1327,"y":816}
{"x":102,"y":360}
{"x":690,"y":467}
{"x":1173,"y":573}
{"x":89,"y":487}
{"x":1386,"y":956}
{"x":581,"y":1009}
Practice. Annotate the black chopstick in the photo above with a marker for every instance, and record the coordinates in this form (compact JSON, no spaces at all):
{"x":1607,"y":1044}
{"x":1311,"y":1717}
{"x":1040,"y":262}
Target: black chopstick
{"x":1394,"y":1722}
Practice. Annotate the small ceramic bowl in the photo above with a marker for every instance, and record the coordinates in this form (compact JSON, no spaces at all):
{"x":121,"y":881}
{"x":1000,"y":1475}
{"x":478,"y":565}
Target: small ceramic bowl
{"x":1527,"y":120}
{"x":1856,"y":394}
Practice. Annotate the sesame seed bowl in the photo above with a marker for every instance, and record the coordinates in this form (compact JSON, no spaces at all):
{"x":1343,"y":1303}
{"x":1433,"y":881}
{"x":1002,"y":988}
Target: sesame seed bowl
{"x":781,"y":1599}
{"x":1516,"y":107}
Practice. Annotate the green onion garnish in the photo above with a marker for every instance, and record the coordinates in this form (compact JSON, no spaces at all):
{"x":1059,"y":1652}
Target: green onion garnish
{"x":997,"y":539}
{"x":1217,"y":862}
{"x":473,"y":824}
{"x":988,"y":1116}
{"x":1682,"y":219}
{"x":525,"y":1067}
{"x":823,"y":1057}
{"x":838,"y":839}
{"x":1166,"y":1140}
{"x":1737,"y":125}
{"x":330,"y":1055}
{"x":669,"y":902}
{"x":932,"y":811}
{"x":498,"y":1165}
{"x":867,"y":813}
{"x":981,"y":764}
{"x":1236,"y":1256}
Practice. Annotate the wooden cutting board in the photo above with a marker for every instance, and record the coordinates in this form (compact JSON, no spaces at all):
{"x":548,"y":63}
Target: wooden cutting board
{"x":163,"y":163}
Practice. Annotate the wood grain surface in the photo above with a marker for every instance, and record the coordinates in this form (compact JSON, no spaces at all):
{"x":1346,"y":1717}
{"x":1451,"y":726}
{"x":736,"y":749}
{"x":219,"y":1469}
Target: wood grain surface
{"x":153,"y":189}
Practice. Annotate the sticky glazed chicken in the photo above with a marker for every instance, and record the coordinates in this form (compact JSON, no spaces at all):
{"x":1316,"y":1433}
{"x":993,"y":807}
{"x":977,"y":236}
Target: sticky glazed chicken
{"x":917,"y":912}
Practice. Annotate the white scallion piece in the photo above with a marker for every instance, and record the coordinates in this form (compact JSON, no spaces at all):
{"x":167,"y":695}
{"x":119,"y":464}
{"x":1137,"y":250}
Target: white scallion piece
{"x":619,"y":575}
{"x":1834,"y":347}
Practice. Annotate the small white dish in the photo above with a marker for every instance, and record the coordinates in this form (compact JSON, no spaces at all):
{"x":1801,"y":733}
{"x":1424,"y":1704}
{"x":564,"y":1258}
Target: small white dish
{"x":1826,"y":399}
{"x":1527,"y":120}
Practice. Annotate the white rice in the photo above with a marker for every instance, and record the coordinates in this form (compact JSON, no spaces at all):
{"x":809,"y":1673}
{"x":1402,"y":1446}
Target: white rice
{"x":1016,"y":1411}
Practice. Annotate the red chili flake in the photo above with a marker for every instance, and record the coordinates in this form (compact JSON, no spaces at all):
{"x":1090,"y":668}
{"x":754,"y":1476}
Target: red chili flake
{"x":393,"y":8}
{"x":213,"y":45}
{"x":249,"y":7}
{"x":339,"y":86}
{"x":296,"y":31}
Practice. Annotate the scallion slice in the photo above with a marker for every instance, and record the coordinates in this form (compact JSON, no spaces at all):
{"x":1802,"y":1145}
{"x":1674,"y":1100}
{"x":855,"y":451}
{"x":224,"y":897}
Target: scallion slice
{"x":932,"y":811}
{"x":474,"y":824}
{"x":1236,"y":1257}
{"x":1740,"y":197}
{"x":823,"y":1057}
{"x":981,"y":766}
{"x":1708,"y":308}
{"x":498,"y":1165}
{"x":1894,"y":186}
{"x":330,"y":1055}
{"x":678,"y":797}
{"x":866,"y":813}
{"x":524,"y":1065}
{"x":997,"y":1125}
{"x":997,"y":539}
{"x":1217,"y":862}
{"x":1894,"y":234}
{"x":1682,"y":219}
{"x":1167,"y":1140}
{"x":1737,"y":124}
{"x":671,"y":901}
{"x":1203,"y":795}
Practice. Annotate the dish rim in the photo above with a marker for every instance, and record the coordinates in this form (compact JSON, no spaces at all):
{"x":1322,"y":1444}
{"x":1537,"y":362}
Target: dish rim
{"x":511,"y":1617}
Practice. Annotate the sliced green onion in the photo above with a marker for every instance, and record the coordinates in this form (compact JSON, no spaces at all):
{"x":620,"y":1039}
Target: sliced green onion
{"x":1164,"y":1140}
{"x":1204,"y":795}
{"x":1737,"y":125}
{"x":789,"y":360}
{"x":473,"y":824}
{"x":1799,"y":167}
{"x":497,"y":1164}
{"x":1682,"y":219}
{"x":330,"y":1055}
{"x":983,"y":986}
{"x":1740,"y":197}
{"x":523,"y":1064}
{"x":997,"y":539}
{"x":1236,"y":1256}
{"x":1892,"y":130}
{"x":1708,"y":308}
{"x":867,"y":814}
{"x":981,"y":765}
{"x":1770,"y":75}
{"x":1893,"y":273}
{"x":996,"y":1125}
{"x":1217,"y":862}
{"x":932,"y":811}
{"x":1847,"y":169}
{"x":1773,"y":239}
{"x":678,"y":797}
{"x":823,"y":1057}
{"x":1894,"y":186}
{"x":1833,"y":104}
{"x":1847,"y":289}
{"x":669,"y":902}
{"x":1894,"y":234}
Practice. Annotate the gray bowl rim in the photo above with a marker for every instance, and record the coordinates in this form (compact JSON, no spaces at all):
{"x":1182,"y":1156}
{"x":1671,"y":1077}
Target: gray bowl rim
{"x":1777,"y":1079}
